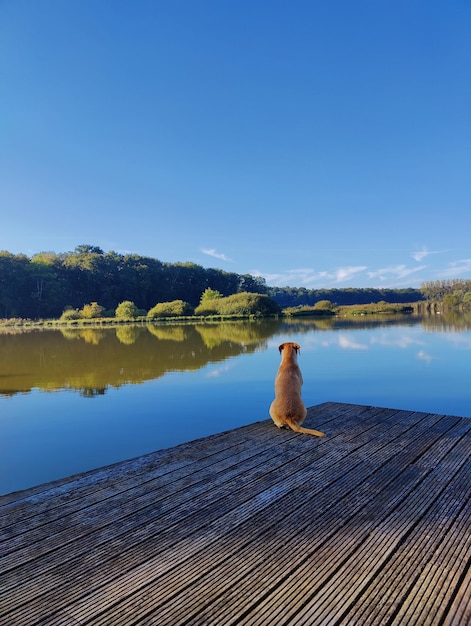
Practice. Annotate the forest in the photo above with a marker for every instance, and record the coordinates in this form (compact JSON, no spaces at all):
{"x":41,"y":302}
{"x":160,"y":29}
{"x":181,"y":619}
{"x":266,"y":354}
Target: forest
{"x":44,"y":285}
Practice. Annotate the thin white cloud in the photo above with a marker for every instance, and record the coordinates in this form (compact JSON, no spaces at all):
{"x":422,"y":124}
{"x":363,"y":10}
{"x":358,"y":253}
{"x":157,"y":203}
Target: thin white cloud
{"x":456,"y":269}
{"x":349,"y":344}
{"x":418,"y":255}
{"x":346,"y":273}
{"x":395,"y":272}
{"x":306,"y":277}
{"x":393,"y":276}
{"x":217,"y":255}
{"x":218,"y":371}
{"x":424,"y":356}
{"x":294,"y":277}
{"x":461,"y":340}
{"x":401,"y":341}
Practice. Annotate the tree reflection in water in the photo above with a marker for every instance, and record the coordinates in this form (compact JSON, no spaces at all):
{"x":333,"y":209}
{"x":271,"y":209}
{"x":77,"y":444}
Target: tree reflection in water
{"x":90,"y":360}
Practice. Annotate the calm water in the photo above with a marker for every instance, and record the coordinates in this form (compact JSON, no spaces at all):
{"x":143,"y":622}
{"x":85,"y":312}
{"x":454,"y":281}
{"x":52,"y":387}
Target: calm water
{"x":71,"y":401}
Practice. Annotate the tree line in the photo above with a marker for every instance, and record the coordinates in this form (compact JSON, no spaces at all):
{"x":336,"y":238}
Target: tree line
{"x":453,"y":292}
{"x":300,"y":296}
{"x":47,"y":283}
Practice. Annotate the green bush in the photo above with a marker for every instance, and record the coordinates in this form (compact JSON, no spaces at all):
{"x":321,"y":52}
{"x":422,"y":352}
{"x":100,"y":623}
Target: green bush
{"x":126,"y":310}
{"x":246,"y":303}
{"x":70,"y":314}
{"x":175,"y":308}
{"x":308,"y":311}
{"x":324,"y":305}
{"x":210,"y":294}
{"x":208,"y":307}
{"x":92,"y":310}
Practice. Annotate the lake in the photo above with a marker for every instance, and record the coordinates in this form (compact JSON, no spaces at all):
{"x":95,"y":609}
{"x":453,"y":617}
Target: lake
{"x":75,"y":400}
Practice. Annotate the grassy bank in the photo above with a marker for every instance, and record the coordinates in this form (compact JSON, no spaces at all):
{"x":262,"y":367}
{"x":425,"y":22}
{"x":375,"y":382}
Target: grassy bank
{"x":113,"y":321}
{"x":380,"y":308}
{"x":305,"y":311}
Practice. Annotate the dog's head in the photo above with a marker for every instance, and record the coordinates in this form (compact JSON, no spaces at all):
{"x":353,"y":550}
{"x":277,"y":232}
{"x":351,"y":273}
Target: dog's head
{"x":290,"y":344}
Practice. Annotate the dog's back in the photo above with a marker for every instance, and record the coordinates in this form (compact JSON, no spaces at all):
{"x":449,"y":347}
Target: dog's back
{"x":287,"y":409}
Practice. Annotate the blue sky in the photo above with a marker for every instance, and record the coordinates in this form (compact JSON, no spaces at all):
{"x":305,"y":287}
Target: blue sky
{"x":315,"y":143}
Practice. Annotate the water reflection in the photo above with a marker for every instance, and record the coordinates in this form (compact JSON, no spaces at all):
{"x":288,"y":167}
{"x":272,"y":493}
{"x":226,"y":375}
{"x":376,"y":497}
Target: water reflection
{"x":207,"y":378}
{"x":451,"y":321}
{"x":91,"y":360}
{"x":127,"y":335}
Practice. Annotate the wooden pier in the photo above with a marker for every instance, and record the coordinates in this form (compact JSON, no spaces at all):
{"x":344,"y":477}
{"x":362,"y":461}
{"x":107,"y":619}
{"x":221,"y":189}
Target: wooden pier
{"x":259,"y":526}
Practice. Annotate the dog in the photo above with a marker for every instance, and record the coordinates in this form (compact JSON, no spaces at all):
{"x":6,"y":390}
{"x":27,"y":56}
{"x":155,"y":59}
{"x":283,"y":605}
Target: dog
{"x":287,"y":409}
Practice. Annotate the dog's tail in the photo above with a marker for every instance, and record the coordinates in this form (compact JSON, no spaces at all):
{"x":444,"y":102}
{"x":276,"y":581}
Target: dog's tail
{"x":299,"y":429}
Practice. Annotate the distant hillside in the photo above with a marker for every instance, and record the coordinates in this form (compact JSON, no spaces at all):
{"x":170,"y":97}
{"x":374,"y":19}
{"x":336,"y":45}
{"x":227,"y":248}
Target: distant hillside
{"x":293,"y":296}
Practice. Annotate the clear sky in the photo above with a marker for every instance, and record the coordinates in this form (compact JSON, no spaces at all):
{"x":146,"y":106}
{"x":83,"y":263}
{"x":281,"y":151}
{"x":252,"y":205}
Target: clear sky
{"x":317,"y":143}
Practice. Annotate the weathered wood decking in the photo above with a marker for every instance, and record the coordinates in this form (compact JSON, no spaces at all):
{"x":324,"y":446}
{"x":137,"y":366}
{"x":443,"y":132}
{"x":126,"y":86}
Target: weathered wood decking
{"x":371,"y":525}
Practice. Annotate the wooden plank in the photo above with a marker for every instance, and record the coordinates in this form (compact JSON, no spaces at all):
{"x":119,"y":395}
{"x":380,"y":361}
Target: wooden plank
{"x":439,"y":582}
{"x":88,"y":546}
{"x":125,"y":474}
{"x":136,"y":604}
{"x":231,"y":445}
{"x":159,"y":484}
{"x":132,"y":609}
{"x":97,"y":485}
{"x":236,"y":459}
{"x":255,"y":526}
{"x":460,"y":609}
{"x":392,"y":565}
{"x":350,"y":522}
{"x":267,"y":490}
{"x":379,"y":550}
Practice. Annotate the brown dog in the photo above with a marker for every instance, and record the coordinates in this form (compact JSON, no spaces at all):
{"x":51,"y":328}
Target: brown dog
{"x":287,"y":409}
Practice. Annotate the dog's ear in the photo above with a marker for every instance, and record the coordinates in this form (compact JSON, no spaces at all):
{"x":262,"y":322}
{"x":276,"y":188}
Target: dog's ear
{"x":280,"y":347}
{"x":297,"y":347}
